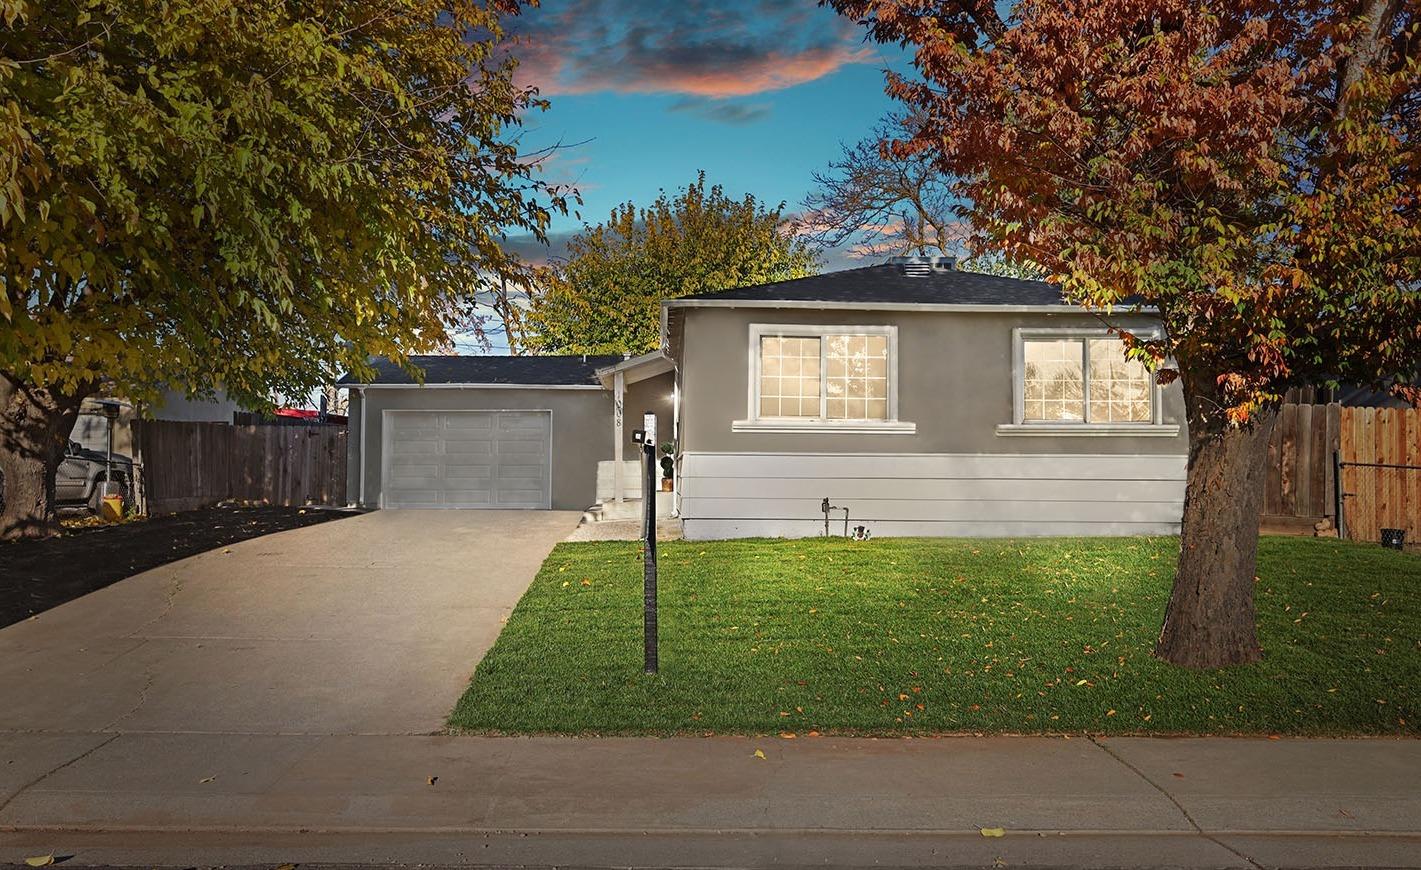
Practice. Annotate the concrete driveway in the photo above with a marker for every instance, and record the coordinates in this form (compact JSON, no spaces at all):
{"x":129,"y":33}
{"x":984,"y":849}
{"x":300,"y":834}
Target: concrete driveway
{"x":367,"y":625}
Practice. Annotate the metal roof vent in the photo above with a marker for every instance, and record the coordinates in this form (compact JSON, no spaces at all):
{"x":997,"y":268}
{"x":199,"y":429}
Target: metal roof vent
{"x":922,"y":267}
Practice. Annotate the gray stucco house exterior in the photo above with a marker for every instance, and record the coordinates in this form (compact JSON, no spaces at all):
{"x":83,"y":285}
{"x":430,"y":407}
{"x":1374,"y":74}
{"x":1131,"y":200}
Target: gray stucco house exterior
{"x":926,"y":400}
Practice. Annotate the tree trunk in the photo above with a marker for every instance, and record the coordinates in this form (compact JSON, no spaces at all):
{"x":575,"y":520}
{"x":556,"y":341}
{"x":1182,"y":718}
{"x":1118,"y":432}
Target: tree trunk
{"x":35,"y":423}
{"x":1209,"y":622}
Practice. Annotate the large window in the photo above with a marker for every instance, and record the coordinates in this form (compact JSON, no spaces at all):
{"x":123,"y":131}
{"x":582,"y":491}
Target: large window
{"x":831,"y":377}
{"x":1080,"y":378}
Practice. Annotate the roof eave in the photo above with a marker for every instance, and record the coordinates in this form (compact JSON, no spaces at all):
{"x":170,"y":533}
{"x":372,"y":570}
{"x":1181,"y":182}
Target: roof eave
{"x":957,"y":307}
{"x":472,"y":386}
{"x":637,"y":368}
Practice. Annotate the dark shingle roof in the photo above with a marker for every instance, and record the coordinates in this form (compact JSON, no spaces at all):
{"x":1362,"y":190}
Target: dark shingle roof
{"x":887,"y":284}
{"x":533,"y":370}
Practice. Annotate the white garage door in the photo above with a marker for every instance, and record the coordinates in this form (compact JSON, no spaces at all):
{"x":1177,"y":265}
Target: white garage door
{"x":467,"y":459}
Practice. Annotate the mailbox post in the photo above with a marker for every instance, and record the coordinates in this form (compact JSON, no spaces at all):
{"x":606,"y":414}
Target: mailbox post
{"x":646,"y":437}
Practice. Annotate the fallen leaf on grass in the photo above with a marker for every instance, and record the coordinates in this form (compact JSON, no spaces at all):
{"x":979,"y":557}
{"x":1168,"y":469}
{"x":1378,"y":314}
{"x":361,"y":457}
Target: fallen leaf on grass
{"x":788,"y":735}
{"x":994,"y":832}
{"x":760,"y":754}
{"x":40,"y":860}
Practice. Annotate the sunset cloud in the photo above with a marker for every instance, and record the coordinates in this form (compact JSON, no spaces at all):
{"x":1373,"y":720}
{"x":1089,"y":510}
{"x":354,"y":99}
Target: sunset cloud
{"x":722,"y":111}
{"x":699,"y":48}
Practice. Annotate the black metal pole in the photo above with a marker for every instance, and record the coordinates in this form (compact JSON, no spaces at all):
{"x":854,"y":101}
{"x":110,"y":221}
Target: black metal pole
{"x":649,"y":559}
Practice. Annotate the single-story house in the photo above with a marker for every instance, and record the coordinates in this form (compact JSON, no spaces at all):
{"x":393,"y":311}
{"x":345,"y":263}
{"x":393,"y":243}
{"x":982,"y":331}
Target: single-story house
{"x":924,"y":399}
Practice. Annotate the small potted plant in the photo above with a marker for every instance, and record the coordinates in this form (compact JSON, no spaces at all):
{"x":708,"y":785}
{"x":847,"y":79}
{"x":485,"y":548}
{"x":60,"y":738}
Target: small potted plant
{"x":668,"y":466}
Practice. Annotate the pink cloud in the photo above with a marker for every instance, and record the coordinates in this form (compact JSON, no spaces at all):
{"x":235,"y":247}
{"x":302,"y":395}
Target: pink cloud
{"x":705,"y":49}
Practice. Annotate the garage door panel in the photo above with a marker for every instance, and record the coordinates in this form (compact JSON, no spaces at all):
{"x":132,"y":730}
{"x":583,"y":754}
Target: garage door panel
{"x":469,"y":471}
{"x":468,"y":448}
{"x":518,"y":498}
{"x":416,"y":448}
{"x":469,"y":421}
{"x":521,"y":450}
{"x":468,"y":498}
{"x":468,"y":459}
{"x":413,"y":497}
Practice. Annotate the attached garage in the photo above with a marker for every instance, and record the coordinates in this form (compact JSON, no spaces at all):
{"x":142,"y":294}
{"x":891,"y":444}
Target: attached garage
{"x":481,"y":432}
{"x":468,"y":459}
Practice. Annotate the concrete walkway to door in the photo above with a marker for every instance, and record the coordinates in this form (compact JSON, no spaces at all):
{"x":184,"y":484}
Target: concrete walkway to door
{"x":367,"y":625}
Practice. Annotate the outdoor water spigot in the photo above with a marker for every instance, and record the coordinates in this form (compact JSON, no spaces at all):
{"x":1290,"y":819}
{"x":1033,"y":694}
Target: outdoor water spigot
{"x":826,"y":508}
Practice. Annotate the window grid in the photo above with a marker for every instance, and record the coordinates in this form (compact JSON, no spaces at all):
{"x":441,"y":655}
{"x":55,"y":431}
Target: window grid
{"x":856,"y":377}
{"x":1083,"y":380}
{"x":1054,"y":387}
{"x":1119,"y":388}
{"x":831,"y":377}
{"x":789,"y":377}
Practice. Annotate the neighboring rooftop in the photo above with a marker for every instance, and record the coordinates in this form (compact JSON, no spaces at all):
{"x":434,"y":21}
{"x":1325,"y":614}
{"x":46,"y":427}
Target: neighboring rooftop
{"x":574,"y":369}
{"x":891,"y":284}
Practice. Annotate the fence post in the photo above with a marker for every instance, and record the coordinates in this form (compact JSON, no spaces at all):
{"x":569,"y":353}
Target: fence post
{"x":1337,"y":494}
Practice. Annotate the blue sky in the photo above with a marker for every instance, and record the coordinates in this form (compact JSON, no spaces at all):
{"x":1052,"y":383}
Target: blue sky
{"x":759,"y":93}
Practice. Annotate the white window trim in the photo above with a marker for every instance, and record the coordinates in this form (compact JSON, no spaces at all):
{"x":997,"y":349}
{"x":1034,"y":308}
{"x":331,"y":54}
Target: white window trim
{"x":1156,"y":427}
{"x":754,"y":423}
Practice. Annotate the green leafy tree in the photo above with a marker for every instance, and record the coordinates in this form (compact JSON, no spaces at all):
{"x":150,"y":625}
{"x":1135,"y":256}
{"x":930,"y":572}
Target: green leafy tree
{"x":1247,"y":168}
{"x":249,"y":195}
{"x":606,"y":297}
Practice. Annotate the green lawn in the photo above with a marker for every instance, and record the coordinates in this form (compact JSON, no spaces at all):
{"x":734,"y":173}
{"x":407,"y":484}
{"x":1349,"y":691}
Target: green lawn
{"x":901,"y":636}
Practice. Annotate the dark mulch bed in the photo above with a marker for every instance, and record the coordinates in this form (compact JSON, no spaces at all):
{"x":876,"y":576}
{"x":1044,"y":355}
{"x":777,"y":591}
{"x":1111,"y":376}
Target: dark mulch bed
{"x":38,"y":575}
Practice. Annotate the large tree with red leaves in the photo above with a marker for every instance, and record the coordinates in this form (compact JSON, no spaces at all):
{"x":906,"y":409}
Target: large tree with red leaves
{"x":1247,"y":168}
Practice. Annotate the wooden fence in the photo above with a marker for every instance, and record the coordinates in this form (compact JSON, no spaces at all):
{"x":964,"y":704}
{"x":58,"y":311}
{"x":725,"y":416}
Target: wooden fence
{"x":191,"y":465}
{"x":1301,"y":485}
{"x":1381,"y":472}
{"x":1379,"y":450}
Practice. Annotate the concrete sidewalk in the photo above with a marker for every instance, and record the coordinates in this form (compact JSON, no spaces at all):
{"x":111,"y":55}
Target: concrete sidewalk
{"x":155,"y":799}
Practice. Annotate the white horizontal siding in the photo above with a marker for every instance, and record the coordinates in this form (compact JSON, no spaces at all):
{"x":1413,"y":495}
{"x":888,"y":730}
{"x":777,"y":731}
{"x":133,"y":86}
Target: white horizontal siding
{"x":932,"y":489}
{"x":715,"y":530}
{"x":779,"y":495}
{"x":1006,"y":466}
{"x":922,"y":510}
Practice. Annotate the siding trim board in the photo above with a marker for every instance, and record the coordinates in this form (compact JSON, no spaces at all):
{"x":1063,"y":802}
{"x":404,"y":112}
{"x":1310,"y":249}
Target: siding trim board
{"x":987,"y":495}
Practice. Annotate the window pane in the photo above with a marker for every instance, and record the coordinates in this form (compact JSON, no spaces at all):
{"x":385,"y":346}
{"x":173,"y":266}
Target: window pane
{"x":789,"y":377}
{"x":1054,"y":387}
{"x":857,"y":371}
{"x":1119,"y":387}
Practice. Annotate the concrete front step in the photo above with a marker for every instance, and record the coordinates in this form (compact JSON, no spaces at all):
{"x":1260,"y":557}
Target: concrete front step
{"x":630,"y":509}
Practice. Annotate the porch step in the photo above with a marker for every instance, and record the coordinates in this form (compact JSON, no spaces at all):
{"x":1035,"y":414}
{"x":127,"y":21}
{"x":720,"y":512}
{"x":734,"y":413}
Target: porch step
{"x":630,"y":509}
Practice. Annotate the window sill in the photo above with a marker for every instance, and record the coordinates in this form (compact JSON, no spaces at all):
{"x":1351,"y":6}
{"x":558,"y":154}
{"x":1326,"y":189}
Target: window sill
{"x":852,"y":427}
{"x":1092,"y":430}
